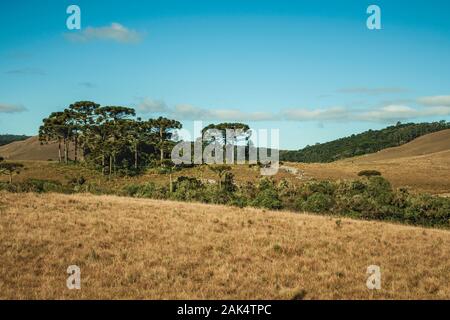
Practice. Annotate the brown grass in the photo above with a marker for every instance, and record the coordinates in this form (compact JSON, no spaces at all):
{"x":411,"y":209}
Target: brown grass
{"x":148,"y":249}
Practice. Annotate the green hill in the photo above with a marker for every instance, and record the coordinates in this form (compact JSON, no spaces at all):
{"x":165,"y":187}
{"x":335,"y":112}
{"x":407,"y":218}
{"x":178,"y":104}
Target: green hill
{"x":8,"y":138}
{"x":367,"y":142}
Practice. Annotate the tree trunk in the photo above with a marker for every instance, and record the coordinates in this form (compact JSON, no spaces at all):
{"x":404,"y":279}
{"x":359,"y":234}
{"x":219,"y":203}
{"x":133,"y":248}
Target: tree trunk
{"x":76,"y":148}
{"x":66,"y":151}
{"x":170,"y":183}
{"x":110,"y":165}
{"x":59,"y":151}
{"x":161,"y":144}
{"x":136,"y":157}
{"x":103,"y":164}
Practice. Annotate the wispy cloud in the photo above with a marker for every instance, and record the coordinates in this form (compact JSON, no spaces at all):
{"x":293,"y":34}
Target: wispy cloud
{"x":11,"y":108}
{"x":435,"y":101}
{"x":327,"y":114}
{"x":148,"y":105}
{"x":190,"y":112}
{"x":372,"y":91}
{"x":401,"y":112}
{"x":114,"y":32}
{"x":87,"y":84}
{"x":26,"y":71}
{"x":386,"y":113}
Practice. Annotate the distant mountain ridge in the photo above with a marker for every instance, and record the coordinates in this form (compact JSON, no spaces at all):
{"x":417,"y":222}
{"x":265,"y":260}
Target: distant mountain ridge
{"x":368,"y":142}
{"x":8,"y":138}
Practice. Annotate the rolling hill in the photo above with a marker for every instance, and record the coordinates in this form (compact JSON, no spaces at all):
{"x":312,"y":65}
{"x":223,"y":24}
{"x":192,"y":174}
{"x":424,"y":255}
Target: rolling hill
{"x":423,"y":146}
{"x":31,"y":149}
{"x":422,"y":165}
{"x":363,"y":143}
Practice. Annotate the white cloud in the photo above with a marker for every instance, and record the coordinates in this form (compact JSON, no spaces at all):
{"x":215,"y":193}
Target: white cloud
{"x":401,"y":112}
{"x":333,"y":113}
{"x":194,"y":113}
{"x":152,"y":106}
{"x":373,"y":91}
{"x":190,"y":112}
{"x":435,"y":101}
{"x":115,"y":32}
{"x":387,"y":113}
{"x":11,"y":108}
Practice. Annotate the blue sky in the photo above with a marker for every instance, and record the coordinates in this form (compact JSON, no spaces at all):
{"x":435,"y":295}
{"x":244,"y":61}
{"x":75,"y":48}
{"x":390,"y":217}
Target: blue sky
{"x":310,"y":68}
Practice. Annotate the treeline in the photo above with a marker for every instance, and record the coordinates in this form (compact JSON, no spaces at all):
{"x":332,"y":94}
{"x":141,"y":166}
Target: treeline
{"x":8,"y":138}
{"x":367,"y":142}
{"x":112,"y":139}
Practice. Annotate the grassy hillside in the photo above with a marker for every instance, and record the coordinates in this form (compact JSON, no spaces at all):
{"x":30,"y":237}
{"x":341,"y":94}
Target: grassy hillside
{"x":149,"y":249}
{"x":422,"y":165}
{"x":364,"y":143}
{"x":32,"y":149}
{"x":426,"y":145}
{"x":8,"y":138}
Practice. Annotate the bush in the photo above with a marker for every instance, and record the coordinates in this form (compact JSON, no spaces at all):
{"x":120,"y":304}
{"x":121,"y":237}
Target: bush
{"x":369,"y":173}
{"x":188,"y":189}
{"x":380,"y":189}
{"x":267,"y":199}
{"x":35,"y":185}
{"x":267,"y":195}
{"x":318,"y":202}
{"x":147,"y":190}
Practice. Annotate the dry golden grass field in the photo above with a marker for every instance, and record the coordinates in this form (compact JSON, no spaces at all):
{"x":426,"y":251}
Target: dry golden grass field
{"x":149,"y":249}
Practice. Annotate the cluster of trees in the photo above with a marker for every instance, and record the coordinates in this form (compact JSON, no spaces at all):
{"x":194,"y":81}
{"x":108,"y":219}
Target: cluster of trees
{"x":112,"y":139}
{"x":109,"y":137}
{"x":363,"y":143}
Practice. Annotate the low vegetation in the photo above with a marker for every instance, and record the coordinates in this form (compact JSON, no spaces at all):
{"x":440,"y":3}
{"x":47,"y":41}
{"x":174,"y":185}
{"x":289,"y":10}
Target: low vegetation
{"x":367,"y":142}
{"x":369,"y":197}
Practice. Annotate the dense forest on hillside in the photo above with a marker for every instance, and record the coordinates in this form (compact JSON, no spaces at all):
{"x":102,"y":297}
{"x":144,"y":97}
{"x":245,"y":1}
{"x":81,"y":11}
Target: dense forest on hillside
{"x":8,"y":138}
{"x":367,"y":142}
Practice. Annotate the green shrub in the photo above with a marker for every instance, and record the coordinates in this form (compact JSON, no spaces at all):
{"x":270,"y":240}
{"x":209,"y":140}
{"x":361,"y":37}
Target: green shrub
{"x":323,"y":187}
{"x":267,"y":195}
{"x":188,"y":189}
{"x":35,"y":185}
{"x":267,"y":199}
{"x":369,"y":173}
{"x":318,"y":202}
